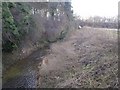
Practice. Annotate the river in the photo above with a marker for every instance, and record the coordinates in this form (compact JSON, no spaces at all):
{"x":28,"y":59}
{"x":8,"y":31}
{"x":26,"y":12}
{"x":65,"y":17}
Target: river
{"x":23,"y":74}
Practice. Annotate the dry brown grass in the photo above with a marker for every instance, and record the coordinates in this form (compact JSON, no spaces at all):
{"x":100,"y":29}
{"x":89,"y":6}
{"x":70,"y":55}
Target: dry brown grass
{"x":86,"y":58}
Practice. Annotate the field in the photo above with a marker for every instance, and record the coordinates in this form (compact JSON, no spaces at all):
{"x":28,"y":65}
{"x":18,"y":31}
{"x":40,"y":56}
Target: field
{"x":87,"y":58}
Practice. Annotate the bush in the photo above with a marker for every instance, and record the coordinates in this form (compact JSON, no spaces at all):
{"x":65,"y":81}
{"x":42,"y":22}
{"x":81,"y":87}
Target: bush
{"x":13,"y":30}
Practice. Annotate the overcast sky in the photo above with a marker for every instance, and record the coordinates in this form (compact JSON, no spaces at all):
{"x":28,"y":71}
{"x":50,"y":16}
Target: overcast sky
{"x":86,"y":8}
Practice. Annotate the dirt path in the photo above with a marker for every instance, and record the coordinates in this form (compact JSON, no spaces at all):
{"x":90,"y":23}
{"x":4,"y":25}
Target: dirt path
{"x":86,"y":58}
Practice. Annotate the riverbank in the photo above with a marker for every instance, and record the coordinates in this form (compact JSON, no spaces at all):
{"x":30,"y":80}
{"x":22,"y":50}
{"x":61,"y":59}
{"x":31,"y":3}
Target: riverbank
{"x":84,"y":58}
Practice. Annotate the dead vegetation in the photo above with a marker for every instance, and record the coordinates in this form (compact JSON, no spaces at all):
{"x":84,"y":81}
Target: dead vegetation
{"x":87,"y":58}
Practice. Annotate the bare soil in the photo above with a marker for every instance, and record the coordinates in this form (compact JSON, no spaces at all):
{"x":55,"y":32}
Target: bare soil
{"x":85,"y":58}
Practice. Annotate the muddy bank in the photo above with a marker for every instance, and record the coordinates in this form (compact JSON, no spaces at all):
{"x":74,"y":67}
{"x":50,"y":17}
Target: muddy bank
{"x":22,"y":71}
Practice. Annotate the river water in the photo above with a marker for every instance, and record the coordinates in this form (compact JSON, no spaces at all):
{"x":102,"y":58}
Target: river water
{"x":23,"y":74}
